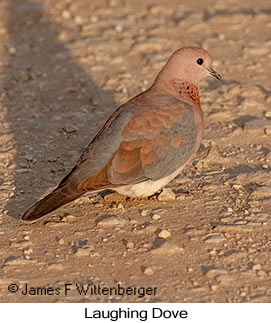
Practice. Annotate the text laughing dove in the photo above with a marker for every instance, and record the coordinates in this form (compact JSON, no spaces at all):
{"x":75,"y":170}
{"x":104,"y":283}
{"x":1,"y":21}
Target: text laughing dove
{"x":146,"y":142}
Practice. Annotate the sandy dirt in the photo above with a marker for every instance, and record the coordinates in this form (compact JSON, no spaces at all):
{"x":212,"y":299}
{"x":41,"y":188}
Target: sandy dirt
{"x":64,"y":67}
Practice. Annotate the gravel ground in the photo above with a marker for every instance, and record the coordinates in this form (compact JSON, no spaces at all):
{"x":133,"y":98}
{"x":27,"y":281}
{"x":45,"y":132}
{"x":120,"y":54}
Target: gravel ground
{"x":64,"y":67}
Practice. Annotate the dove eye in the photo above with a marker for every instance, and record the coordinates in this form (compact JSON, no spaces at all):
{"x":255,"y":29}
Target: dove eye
{"x":200,"y":61}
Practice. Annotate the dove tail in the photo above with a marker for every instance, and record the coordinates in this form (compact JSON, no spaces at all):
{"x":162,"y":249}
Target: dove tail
{"x":49,"y":203}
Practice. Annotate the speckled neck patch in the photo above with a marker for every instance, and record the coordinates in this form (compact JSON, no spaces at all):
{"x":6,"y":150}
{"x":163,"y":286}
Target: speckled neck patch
{"x":188,"y":91}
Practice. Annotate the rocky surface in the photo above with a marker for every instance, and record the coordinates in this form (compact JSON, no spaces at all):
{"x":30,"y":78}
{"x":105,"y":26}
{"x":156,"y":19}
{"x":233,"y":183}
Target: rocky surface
{"x":64,"y":67}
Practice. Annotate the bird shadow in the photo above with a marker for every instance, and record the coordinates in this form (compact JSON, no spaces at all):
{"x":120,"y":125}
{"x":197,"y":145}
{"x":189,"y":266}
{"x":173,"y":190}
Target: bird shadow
{"x":48,"y":99}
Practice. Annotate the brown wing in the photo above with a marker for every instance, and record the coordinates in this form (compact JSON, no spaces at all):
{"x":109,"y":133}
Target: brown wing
{"x":155,"y":142}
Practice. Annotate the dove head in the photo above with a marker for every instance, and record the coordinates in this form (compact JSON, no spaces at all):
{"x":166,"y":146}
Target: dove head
{"x":188,"y":64}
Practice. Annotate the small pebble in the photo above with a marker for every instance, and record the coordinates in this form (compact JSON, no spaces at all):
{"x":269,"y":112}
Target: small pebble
{"x":78,"y":20}
{"x":224,"y":278}
{"x":11,"y":194}
{"x":167,"y":248}
{"x":20,"y":244}
{"x":164,"y":234}
{"x":28,"y":251}
{"x":150,"y":228}
{"x":213,"y":252}
{"x":94,"y":19}
{"x":12,"y":51}
{"x":156,"y":217}
{"x":148,"y":271}
{"x":212,"y":273}
{"x":232,"y":255}
{"x":167,"y":195}
{"x":69,"y":129}
{"x":68,"y":218}
{"x":56,"y":266}
{"x":61,"y":241}
{"x":227,"y":219}
{"x":130,"y":245}
{"x":18,"y":261}
{"x":230,"y":228}
{"x":267,"y":114}
{"x":83,"y":252}
{"x":261,"y":273}
{"x":66,"y":14}
{"x":240,"y":222}
{"x":210,"y":187}
{"x":215,"y":238}
{"x":119,"y":28}
{"x":214,"y":288}
{"x":144,"y":213}
{"x":257,"y":267}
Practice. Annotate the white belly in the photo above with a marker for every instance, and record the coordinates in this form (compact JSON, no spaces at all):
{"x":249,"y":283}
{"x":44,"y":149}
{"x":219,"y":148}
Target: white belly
{"x":147,"y":188}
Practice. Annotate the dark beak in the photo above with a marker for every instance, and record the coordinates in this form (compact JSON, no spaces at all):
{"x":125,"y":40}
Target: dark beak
{"x":214,"y":73}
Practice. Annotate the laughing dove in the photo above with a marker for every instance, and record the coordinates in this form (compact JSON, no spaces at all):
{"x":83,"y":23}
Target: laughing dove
{"x":146,"y":142}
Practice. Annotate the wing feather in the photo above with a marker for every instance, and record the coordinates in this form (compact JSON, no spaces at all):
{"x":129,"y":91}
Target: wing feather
{"x":140,"y":141}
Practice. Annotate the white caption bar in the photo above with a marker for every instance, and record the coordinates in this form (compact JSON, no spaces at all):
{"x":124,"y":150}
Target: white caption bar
{"x":134,"y":312}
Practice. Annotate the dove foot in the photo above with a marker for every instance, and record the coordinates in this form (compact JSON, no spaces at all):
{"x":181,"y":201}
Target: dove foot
{"x":182,"y":193}
{"x":155,"y":195}
{"x":135,"y":199}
